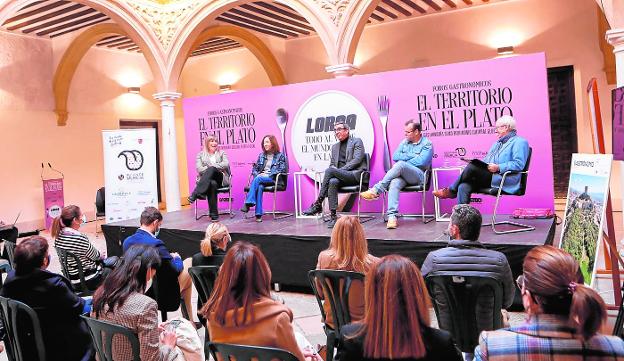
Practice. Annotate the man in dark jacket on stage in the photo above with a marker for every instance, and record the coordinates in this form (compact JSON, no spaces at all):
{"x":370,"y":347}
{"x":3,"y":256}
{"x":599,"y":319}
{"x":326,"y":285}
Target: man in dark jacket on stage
{"x":466,"y":256}
{"x":348,"y":161}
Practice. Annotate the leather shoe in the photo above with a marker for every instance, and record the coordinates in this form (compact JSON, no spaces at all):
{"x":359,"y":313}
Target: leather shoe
{"x":332,"y":222}
{"x":245,"y":207}
{"x":443,"y":193}
{"x":258,"y":219}
{"x":191,"y":199}
{"x":370,"y":195}
{"x":314,"y":209}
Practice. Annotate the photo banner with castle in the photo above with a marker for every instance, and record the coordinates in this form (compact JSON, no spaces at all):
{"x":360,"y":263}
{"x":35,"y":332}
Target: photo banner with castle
{"x":456,"y":104}
{"x":588,"y":190}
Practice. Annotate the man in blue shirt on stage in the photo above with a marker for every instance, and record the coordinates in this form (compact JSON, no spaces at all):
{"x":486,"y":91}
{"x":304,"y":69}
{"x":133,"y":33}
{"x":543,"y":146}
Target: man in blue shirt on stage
{"x":509,"y":153}
{"x":413,"y":158}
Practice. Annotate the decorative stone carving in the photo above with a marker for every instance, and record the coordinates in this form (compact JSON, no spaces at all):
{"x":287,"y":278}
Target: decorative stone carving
{"x":334,"y":8}
{"x":163,"y":19}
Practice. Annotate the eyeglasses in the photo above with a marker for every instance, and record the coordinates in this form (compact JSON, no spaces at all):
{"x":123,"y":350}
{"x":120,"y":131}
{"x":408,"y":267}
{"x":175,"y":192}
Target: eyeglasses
{"x":409,"y":132}
{"x":520,"y":282}
{"x":338,"y":130}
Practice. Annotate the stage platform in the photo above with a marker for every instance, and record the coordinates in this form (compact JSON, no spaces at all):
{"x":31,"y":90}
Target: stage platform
{"x":292,"y":245}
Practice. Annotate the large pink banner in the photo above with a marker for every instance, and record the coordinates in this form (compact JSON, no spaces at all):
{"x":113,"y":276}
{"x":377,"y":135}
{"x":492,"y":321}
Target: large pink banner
{"x":457,"y":104}
{"x":53,"y":199}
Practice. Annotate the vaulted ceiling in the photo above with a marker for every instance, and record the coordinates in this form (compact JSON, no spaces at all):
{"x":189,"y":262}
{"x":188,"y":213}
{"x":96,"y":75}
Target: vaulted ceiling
{"x":53,"y":18}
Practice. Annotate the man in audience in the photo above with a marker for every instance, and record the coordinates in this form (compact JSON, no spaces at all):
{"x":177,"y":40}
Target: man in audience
{"x":509,"y":153}
{"x":65,"y":335}
{"x":172,"y":267}
{"x":466,"y":256}
{"x":348,"y":160}
{"x":412,"y":157}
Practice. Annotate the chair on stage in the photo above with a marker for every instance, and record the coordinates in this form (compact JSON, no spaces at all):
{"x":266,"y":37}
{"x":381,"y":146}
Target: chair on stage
{"x":358,"y":188}
{"x":23,"y":340}
{"x":417,"y":188}
{"x":280,"y":185}
{"x":498,"y":192}
{"x":333,"y":286}
{"x":102,"y":333}
{"x":465,"y":306}
{"x":65,"y":257}
{"x":100,"y":208}
{"x":248,"y":353}
{"x":221,"y":190}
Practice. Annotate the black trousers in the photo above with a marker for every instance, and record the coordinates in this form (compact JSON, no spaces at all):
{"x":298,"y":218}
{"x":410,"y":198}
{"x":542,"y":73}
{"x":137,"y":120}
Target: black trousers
{"x":471,"y":179}
{"x":207,"y":186}
{"x":334,"y":178}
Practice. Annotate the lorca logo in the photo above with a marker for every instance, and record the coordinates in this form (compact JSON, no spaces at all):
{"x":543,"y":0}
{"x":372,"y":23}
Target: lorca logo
{"x":134,"y":159}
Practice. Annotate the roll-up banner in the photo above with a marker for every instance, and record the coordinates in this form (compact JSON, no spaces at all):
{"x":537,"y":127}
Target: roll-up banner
{"x":129,"y":172}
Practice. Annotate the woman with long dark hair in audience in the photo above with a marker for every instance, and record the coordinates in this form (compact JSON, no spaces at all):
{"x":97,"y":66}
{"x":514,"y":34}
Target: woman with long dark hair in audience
{"x":563,"y":315}
{"x":270,"y":162}
{"x":121,"y":300}
{"x":396,"y":324}
{"x":241,"y":310}
{"x":348,"y":251}
{"x":65,"y":335}
{"x":214,"y":243}
{"x":67,"y":236}
{"x":213,"y":172}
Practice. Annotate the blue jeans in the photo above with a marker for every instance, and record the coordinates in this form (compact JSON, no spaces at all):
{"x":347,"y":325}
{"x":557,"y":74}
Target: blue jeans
{"x":256,"y":188}
{"x":401,"y":174}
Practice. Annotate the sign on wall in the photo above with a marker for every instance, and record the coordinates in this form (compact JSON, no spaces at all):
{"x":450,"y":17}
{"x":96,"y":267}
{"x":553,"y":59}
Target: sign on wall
{"x":585,"y":208}
{"x":457,"y":105}
{"x":129,"y":172}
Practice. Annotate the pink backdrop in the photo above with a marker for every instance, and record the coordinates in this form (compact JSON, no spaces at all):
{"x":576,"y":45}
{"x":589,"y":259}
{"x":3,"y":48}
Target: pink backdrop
{"x":458,"y":104}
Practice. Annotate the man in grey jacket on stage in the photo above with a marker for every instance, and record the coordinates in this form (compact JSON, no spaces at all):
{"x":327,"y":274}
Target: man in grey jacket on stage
{"x":348,"y":160}
{"x":466,"y":256}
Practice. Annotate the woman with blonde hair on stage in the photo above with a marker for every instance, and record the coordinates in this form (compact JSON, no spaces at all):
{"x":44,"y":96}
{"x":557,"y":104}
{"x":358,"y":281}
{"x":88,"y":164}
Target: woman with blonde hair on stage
{"x":213,"y":172}
{"x":396,"y":325}
{"x":348,"y":251}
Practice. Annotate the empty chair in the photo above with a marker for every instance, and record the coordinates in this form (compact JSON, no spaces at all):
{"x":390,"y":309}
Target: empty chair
{"x":102,"y":333}
{"x":100,"y":207}
{"x":249,"y":353}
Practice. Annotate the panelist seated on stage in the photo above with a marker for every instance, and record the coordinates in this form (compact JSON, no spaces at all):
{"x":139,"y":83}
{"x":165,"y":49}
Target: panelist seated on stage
{"x":270,"y":162}
{"x":348,"y":161}
{"x":412,"y":157}
{"x":509,"y":153}
{"x":213,"y":172}
{"x":466,"y":256}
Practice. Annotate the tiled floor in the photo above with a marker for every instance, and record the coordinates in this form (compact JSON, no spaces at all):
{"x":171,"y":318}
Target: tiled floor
{"x":305,"y":309}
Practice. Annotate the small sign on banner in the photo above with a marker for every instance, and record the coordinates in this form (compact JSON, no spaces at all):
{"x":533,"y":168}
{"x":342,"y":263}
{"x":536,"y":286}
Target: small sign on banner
{"x":53,"y":199}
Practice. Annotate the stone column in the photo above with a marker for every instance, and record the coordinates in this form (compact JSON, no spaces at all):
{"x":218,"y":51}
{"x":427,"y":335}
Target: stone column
{"x":170,"y":149}
{"x":342,"y":70}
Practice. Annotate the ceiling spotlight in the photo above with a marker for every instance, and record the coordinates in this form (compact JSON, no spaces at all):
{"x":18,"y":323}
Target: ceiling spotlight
{"x":226,"y":88}
{"x":134,"y":90}
{"x":506,"y":50}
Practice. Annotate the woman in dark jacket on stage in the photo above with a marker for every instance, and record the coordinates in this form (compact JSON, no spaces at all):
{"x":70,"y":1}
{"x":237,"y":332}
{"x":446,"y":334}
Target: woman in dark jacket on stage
{"x":396,"y":321}
{"x":270,"y":162}
{"x":65,"y":335}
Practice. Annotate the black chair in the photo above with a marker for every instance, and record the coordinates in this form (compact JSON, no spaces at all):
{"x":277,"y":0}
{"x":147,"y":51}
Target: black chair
{"x":204,"y":278}
{"x":248,"y":353}
{"x":280,"y":185}
{"x":335,"y":288}
{"x":24,"y":340}
{"x":102,"y":333}
{"x":165,"y":291}
{"x":10,"y":251}
{"x":462,"y":306}
{"x":100,"y":209}
{"x":359,"y":188}
{"x":225,"y":189}
{"x":618,"y":327}
{"x":498,"y":192}
{"x":65,"y":257}
{"x":5,"y":265}
{"x":418,"y":188}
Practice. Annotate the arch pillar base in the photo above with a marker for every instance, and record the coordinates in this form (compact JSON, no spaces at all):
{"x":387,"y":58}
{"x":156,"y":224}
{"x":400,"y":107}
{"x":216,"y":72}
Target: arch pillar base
{"x":342,"y":70}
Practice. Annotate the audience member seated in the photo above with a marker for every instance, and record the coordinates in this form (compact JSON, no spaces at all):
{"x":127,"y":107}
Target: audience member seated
{"x":396,"y":325}
{"x":65,"y":335}
{"x":121,"y":300}
{"x":564,"y":316}
{"x":151,"y":220}
{"x":348,"y":251}
{"x":241,"y":310}
{"x":214,"y":244}
{"x":466,"y":256}
{"x":509,"y":153}
{"x":66,"y":234}
{"x":270,"y":162}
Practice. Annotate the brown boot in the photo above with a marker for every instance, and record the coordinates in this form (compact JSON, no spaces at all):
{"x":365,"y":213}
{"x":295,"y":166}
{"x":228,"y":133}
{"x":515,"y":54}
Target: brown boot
{"x":444,"y":193}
